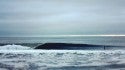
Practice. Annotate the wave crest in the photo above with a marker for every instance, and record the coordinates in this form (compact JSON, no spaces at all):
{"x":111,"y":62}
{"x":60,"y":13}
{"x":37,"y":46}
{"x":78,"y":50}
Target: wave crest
{"x":14,"y":47}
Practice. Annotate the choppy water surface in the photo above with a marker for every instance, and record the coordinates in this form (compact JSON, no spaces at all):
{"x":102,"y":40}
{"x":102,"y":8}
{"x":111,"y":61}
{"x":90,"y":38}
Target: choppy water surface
{"x":61,"y":60}
{"x":24,"y":57}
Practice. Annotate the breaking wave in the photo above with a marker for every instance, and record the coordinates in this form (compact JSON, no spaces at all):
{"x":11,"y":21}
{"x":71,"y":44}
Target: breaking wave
{"x":18,"y":57}
{"x":14,"y":47}
{"x":62,"y":60}
{"x":58,"y":46}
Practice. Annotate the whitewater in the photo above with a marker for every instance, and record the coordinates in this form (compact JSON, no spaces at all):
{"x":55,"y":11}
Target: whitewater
{"x":18,"y":53}
{"x":17,"y":57}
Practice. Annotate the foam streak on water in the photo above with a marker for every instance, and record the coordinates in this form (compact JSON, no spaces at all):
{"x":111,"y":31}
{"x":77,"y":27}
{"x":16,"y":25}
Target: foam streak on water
{"x":30,"y":59}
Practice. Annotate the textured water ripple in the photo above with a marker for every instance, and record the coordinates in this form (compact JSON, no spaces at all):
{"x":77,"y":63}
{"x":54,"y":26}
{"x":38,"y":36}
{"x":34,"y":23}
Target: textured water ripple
{"x":62,"y":59}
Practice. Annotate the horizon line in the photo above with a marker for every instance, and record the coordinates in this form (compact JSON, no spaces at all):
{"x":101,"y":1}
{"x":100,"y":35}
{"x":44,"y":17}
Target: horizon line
{"x":99,"y":35}
{"x":79,"y":35}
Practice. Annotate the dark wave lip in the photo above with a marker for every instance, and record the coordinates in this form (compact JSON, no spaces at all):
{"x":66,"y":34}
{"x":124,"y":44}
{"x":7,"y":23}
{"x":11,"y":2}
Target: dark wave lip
{"x":72,"y":46}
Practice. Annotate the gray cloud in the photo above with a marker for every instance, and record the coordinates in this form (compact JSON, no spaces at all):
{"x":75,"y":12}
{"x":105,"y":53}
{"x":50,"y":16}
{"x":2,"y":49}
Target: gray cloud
{"x":43,"y":17}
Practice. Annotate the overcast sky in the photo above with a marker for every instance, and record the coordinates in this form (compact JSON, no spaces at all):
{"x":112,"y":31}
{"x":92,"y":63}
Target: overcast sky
{"x":61,"y":17}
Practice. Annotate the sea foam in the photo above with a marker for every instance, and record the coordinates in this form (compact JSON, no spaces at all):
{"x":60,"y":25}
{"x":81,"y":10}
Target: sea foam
{"x":17,"y":57}
{"x":14,"y":47}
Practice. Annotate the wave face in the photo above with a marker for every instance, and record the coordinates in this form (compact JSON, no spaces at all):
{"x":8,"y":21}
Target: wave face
{"x":62,"y":60}
{"x":61,"y":46}
{"x":73,"y":46}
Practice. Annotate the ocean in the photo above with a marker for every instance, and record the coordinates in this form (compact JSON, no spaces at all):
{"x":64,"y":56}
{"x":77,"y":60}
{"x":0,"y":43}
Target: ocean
{"x":18,"y":53}
{"x":98,"y":40}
